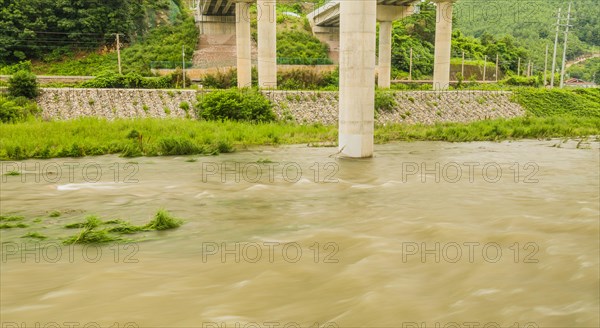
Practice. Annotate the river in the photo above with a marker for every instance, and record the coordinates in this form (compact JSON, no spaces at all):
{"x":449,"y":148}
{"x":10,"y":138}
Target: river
{"x":424,"y":234}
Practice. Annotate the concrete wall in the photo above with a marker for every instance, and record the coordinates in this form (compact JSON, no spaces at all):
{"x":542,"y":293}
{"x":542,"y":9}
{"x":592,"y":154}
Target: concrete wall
{"x":303,"y":107}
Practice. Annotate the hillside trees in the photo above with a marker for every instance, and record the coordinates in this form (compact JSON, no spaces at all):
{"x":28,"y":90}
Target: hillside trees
{"x":47,"y":29}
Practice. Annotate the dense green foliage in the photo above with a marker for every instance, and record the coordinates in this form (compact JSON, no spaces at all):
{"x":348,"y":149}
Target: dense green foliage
{"x":23,"y":84}
{"x":162,"y":43}
{"x":236,"y":105}
{"x":48,"y":29}
{"x":582,"y":103}
{"x":132,"y":80}
{"x":532,"y":23}
{"x":296,"y":79}
{"x":13,"y":110}
{"x":589,"y":70}
{"x":305,"y":79}
{"x":418,"y":32}
{"x":385,"y":101}
{"x":301,"y":48}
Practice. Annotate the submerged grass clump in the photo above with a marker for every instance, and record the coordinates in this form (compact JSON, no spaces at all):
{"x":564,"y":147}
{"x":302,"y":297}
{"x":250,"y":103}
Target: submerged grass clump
{"x":12,"y":173}
{"x":92,"y":234}
{"x":35,"y":235}
{"x":163,"y":220}
{"x":90,"y":223}
{"x":55,"y":214}
{"x":10,"y":218}
{"x":126,"y":228}
{"x":89,"y":234}
{"x":12,"y":226}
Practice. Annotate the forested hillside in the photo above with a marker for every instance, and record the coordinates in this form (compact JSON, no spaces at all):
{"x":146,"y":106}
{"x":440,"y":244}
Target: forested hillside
{"x":532,"y":23}
{"x":50,"y":29}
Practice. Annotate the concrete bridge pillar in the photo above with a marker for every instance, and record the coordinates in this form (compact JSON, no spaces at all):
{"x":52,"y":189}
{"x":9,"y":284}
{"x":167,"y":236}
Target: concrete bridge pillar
{"x":357,"y":85}
{"x":267,"y":44}
{"x":243,"y":44}
{"x":443,"y":44}
{"x":385,"y":54}
{"x":386,"y":15}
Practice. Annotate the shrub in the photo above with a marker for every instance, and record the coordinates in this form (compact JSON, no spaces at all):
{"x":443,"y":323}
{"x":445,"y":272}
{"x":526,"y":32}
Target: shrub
{"x":522,"y":81}
{"x":16,"y":109}
{"x":220,"y":80}
{"x":385,"y":101}
{"x":23,"y":84}
{"x":236,"y":105}
{"x":109,"y":79}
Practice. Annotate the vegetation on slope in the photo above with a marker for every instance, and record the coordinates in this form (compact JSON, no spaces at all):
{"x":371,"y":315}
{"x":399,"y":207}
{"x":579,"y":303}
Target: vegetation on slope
{"x":155,"y":32}
{"x":532,"y":23}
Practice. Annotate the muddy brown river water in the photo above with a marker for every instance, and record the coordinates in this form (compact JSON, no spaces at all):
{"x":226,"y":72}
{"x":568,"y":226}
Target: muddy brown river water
{"x":425,"y":234}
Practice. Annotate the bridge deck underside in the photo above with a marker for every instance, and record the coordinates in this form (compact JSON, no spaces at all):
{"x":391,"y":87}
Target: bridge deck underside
{"x":217,"y":7}
{"x":329,"y":14}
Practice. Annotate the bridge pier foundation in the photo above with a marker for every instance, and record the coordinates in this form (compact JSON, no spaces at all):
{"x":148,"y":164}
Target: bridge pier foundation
{"x":357,"y":85}
{"x":243,"y":44}
{"x":267,"y":44}
{"x":443,"y":44}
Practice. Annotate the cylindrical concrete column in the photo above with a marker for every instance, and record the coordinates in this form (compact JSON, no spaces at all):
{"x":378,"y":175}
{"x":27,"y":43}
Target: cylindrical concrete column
{"x":357,"y":83}
{"x":385,"y":54}
{"x":267,"y":44}
{"x":443,"y":45}
{"x":243,"y":44}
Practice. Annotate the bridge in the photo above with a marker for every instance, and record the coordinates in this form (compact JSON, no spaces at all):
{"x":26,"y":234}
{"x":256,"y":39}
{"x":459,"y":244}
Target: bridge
{"x":355,"y":22}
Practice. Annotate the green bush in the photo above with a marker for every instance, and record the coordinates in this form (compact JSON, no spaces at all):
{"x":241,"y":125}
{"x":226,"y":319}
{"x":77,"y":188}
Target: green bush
{"x":220,"y":80}
{"x":301,"y":46}
{"x":109,"y":79}
{"x":23,"y":84}
{"x":516,"y":80}
{"x":13,"y":110}
{"x":307,"y":79}
{"x":385,"y":101}
{"x":12,"y":69}
{"x":235,"y":105}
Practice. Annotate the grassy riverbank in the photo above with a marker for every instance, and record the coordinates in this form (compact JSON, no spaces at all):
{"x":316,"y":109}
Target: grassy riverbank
{"x":550,"y":114}
{"x":155,"y":137}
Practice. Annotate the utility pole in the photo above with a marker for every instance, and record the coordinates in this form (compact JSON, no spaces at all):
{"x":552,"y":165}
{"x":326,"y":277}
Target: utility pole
{"x":119,"y":53}
{"x":529,"y":68}
{"x":497,"y":67}
{"x":462,"y":69}
{"x":183,"y":64}
{"x":546,"y":64}
{"x":519,"y":67}
{"x":411,"y":64}
{"x":484,"y":67}
{"x":564,"y":58}
{"x":555,"y":49}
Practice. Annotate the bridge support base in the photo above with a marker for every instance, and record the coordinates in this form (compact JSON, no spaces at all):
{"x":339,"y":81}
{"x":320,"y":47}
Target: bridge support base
{"x":357,"y":85}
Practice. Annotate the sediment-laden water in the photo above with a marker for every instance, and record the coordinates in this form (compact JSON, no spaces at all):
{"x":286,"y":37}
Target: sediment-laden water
{"x":453,"y":235}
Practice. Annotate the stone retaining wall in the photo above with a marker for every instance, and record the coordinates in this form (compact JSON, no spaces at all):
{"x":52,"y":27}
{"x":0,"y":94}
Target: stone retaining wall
{"x":303,"y":107}
{"x":65,"y":103}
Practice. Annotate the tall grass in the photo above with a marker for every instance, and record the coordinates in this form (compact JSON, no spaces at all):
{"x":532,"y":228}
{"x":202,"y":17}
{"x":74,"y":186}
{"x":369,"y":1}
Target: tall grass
{"x":152,"y":137}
